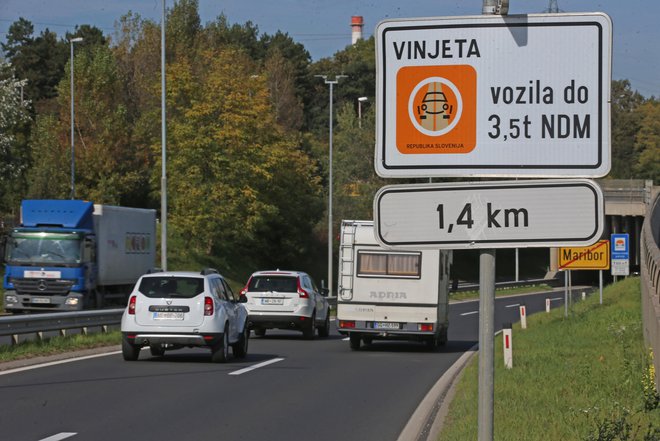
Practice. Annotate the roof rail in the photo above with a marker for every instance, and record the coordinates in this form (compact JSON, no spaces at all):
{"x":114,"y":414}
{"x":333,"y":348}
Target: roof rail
{"x":207,"y":271}
{"x":154,"y":270}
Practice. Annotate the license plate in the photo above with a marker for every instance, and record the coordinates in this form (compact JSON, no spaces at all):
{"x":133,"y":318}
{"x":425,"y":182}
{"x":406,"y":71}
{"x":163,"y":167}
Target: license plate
{"x":168,"y":315}
{"x":386,"y":325}
{"x":40,"y":300}
{"x":272,"y":301}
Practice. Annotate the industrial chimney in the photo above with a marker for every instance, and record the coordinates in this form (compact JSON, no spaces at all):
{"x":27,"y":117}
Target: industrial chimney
{"x":356,"y":28}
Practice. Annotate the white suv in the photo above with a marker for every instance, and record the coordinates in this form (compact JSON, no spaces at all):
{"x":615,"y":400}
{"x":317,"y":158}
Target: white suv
{"x":176,"y":309}
{"x":286,"y":300}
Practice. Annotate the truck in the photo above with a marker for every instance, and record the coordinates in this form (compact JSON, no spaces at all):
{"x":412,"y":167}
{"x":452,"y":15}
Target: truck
{"x":390,"y":293}
{"x":68,"y":255}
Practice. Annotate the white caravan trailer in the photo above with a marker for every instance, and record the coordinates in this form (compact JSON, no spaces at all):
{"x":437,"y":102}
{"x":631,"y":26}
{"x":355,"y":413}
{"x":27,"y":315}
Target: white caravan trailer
{"x":390,"y":293}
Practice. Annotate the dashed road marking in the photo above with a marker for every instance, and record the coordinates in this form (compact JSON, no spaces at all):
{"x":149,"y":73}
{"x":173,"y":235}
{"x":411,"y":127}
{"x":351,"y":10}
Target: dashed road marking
{"x":256,"y":366}
{"x":470,"y":313}
{"x":59,"y":436}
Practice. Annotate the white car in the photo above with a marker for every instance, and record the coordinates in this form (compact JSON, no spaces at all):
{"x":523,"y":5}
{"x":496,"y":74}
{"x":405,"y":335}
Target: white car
{"x":176,"y":309}
{"x":286,"y":300}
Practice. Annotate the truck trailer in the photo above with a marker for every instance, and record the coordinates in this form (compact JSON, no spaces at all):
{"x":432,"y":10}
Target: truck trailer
{"x":68,"y":255}
{"x":390,"y":293}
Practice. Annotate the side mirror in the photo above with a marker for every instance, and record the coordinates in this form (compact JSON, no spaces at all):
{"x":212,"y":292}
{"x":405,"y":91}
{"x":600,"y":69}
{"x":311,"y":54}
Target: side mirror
{"x":242,"y":298}
{"x":325,"y":292}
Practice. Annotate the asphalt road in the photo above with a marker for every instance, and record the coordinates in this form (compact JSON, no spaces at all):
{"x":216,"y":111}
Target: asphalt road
{"x":317,"y":389}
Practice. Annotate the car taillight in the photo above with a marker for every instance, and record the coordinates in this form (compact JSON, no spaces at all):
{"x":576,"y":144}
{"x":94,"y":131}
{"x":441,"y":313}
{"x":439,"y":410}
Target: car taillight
{"x":426,"y":327}
{"x":301,"y":292}
{"x":346,"y":324}
{"x":244,"y":291}
{"x":208,"y":306}
{"x":131,"y":305}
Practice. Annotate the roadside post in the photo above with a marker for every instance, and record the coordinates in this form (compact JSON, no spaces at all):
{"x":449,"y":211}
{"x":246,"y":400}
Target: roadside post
{"x":523,"y":317}
{"x":481,"y":96}
{"x":547,"y":305}
{"x":507,"y":344}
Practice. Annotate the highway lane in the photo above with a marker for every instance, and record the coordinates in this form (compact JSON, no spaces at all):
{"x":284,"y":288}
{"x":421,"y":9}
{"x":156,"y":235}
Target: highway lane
{"x":319,"y":389}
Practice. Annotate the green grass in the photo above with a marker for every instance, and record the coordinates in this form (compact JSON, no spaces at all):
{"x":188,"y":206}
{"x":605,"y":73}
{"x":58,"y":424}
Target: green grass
{"x":585,"y":377}
{"x":499,"y":292}
{"x":57,"y":345}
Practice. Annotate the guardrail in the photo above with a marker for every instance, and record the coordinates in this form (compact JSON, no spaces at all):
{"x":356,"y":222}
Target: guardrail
{"x":650,"y":281}
{"x":60,"y":321}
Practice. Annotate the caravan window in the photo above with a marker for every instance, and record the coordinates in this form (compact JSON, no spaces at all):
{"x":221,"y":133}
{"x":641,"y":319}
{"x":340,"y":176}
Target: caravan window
{"x":373,"y":264}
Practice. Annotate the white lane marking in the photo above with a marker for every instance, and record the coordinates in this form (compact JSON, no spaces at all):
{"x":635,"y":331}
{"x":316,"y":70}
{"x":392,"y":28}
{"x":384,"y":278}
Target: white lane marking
{"x":345,"y":339}
{"x":60,"y":436}
{"x":470,"y":313}
{"x":556,"y":298}
{"x":53,"y":363}
{"x":512,"y":306}
{"x":256,"y":366}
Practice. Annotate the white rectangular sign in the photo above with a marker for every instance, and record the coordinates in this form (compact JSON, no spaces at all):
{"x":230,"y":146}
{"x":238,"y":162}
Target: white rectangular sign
{"x":620,"y":267}
{"x":524,"y":95}
{"x":503,"y":214}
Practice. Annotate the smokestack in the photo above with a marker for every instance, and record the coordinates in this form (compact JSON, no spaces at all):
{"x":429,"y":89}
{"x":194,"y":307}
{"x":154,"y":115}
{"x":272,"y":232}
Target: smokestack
{"x":356,"y":28}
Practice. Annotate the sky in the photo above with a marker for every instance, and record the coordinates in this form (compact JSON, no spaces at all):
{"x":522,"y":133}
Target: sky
{"x":323,"y":27}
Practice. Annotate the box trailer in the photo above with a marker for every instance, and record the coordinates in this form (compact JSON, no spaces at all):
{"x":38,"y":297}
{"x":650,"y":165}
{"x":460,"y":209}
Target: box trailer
{"x":390,"y":293}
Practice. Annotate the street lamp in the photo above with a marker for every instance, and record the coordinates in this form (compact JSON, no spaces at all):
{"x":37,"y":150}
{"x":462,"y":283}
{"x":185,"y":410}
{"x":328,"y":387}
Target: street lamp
{"x":163,"y":149}
{"x":73,"y":151}
{"x":361,"y":100}
{"x":331,"y":83}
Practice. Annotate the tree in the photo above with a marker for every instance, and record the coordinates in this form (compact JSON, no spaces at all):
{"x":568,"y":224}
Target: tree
{"x":625,"y":124}
{"x":647,"y":142}
{"x":13,"y":113}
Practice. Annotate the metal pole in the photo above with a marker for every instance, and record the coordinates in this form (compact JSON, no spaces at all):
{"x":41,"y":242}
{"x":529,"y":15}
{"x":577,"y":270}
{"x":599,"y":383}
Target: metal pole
{"x":163,"y":179}
{"x":600,"y":285}
{"x":486,"y":346}
{"x":517,"y":265}
{"x":330,"y":199}
{"x":565,"y":293}
{"x":73,"y":150}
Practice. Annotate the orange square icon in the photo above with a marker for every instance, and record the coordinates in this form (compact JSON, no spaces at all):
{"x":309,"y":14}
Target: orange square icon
{"x":436,"y":109}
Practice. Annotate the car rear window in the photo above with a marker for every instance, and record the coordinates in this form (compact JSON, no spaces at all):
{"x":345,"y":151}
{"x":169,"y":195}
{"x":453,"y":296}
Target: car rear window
{"x":273,"y":283}
{"x":173,"y":287}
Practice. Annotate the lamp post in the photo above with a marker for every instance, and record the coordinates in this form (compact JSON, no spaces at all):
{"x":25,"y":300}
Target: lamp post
{"x":331,"y":83}
{"x":163,"y":125}
{"x":361,"y":100}
{"x":73,"y":150}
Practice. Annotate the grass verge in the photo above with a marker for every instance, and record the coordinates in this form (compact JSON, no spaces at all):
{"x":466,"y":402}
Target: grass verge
{"x":585,"y":377}
{"x":500,"y":292}
{"x":57,"y":345}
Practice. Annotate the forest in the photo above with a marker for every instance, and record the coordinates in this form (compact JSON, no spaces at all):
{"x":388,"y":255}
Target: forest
{"x":247,"y":134}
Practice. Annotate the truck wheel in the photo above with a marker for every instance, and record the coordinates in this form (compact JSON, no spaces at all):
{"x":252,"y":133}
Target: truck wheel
{"x":240,"y":348}
{"x":129,"y":351}
{"x":432,"y":343}
{"x":367,"y":340}
{"x":310,"y":330}
{"x":354,"y":341}
{"x":220,"y":352}
{"x":98,"y":300}
{"x":324,"y":330}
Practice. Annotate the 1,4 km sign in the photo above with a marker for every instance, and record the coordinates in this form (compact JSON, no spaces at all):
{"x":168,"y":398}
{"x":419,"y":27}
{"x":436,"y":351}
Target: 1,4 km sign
{"x":470,"y":215}
{"x":494,"y":96}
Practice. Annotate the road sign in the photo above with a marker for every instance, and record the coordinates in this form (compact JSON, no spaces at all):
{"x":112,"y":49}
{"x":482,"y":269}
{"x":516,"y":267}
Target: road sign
{"x":594,"y":257}
{"x":489,"y":96}
{"x":503,"y":214}
{"x":620,"y":254}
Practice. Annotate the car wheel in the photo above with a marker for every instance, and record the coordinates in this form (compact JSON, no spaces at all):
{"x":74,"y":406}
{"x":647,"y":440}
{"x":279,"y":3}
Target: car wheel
{"x":240,"y":348}
{"x":324,"y":330}
{"x":129,"y":351}
{"x":354,"y":341}
{"x":220,"y":352}
{"x":157,"y":350}
{"x":259,"y":332}
{"x":310,"y":330}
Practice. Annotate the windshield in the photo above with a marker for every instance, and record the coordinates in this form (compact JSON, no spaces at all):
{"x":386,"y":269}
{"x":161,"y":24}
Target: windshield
{"x":43,"y":248}
{"x":172,"y":287}
{"x":270,"y":283}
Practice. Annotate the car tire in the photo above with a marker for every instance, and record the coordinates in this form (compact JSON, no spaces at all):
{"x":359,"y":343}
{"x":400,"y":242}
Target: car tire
{"x":129,"y":351}
{"x":260,"y":332}
{"x":324,"y":330}
{"x":240,"y":348}
{"x":354,"y":341}
{"x":310,"y":330}
{"x":220,"y":352}
{"x":157,"y":350}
